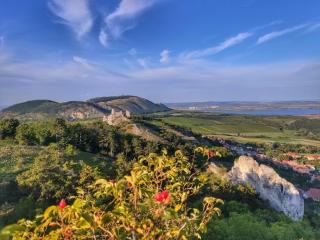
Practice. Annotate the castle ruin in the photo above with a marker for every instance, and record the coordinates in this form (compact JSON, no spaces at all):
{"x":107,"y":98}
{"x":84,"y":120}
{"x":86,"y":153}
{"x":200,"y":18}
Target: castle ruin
{"x":117,"y":116}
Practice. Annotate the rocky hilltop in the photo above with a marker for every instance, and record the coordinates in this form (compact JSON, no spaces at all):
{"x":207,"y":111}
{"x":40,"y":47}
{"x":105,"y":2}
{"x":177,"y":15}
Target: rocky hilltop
{"x":132,"y":104}
{"x":282,"y":195}
{"x":74,"y":110}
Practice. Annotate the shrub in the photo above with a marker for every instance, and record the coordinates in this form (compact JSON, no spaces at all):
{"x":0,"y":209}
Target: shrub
{"x":26,"y":135}
{"x":8,"y":128}
{"x":149,"y":203}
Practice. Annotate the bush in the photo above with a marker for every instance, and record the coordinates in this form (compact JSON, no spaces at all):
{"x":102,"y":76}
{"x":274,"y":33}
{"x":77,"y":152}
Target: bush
{"x":8,"y":128}
{"x":26,"y":135}
{"x":53,"y":174}
{"x":242,"y":224}
{"x":149,"y":203}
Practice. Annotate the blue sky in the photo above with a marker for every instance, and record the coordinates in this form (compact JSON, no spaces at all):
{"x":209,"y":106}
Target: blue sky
{"x":164,"y":50}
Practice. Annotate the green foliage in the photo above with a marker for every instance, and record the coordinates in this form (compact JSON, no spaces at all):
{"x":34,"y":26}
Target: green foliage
{"x":26,"y":135}
{"x":244,"y":128}
{"x":131,"y":208}
{"x":247,"y":226}
{"x":8,"y":128}
{"x":53,"y":174}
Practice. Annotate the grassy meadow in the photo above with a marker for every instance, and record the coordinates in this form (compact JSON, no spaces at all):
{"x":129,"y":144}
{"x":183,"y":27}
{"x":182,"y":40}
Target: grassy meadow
{"x":243,"y":128}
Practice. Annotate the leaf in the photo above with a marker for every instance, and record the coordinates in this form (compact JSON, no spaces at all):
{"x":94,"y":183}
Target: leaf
{"x":83,"y":223}
{"x":8,"y":231}
{"x":184,"y":197}
{"x":50,"y":211}
{"x":88,"y":218}
{"x":78,"y":204}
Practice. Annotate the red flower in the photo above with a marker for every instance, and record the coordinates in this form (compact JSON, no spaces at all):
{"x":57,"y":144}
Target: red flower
{"x":162,"y":196}
{"x":62,"y":204}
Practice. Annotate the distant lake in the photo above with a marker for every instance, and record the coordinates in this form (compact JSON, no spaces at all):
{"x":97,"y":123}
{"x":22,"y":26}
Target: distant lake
{"x":268,"y":112}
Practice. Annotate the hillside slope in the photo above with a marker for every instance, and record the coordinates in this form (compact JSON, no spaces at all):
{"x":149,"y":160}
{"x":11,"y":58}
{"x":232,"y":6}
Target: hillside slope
{"x":39,"y":109}
{"x":131,"y":103}
{"x":30,"y":106}
{"x":93,"y":108}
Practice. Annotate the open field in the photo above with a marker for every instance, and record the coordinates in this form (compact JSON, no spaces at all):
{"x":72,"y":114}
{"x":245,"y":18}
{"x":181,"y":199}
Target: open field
{"x":243,"y":128}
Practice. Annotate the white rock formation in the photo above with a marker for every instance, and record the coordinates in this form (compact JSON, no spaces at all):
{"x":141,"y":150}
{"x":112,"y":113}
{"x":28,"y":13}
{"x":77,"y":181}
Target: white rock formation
{"x":282,"y":195}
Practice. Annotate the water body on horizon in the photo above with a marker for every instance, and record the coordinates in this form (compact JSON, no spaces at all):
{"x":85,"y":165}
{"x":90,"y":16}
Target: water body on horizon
{"x":270,"y":112}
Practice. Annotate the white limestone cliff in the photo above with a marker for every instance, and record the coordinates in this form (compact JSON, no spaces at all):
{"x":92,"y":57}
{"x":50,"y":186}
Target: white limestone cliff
{"x":282,"y":195}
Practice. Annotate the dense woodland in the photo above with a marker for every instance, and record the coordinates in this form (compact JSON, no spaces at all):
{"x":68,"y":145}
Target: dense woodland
{"x":103,"y":183}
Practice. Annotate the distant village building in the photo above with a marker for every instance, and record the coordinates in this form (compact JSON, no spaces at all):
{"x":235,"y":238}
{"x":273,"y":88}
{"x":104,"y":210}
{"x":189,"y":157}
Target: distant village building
{"x":315,"y":178}
{"x":312,"y":157}
{"x":117,"y":117}
{"x":313,"y":193}
{"x":293,"y":155}
{"x":299,"y":168}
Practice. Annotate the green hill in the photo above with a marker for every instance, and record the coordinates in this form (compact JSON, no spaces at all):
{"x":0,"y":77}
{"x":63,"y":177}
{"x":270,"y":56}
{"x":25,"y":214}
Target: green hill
{"x":30,"y":106}
{"x":93,"y":108}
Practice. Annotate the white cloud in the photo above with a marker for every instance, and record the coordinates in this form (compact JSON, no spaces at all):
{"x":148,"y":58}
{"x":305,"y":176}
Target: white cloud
{"x":314,"y":27}
{"x":73,"y":13}
{"x":230,"y":42}
{"x":103,"y":38}
{"x":122,"y":19}
{"x":164,"y":56}
{"x":142,"y":62}
{"x":276,"y":34}
{"x":132,"y":52}
{"x":1,"y":42}
{"x":192,"y":80}
{"x":205,"y":80}
{"x":82,"y":61}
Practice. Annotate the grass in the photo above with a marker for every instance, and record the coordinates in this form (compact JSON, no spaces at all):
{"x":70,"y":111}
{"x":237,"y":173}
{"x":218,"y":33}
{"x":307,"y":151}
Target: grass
{"x":242,"y":128}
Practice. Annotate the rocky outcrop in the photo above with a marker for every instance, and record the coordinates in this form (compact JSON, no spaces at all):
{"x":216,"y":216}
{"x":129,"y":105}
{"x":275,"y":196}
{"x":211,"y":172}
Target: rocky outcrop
{"x":217,"y":171}
{"x":282,"y":195}
{"x":143,"y":132}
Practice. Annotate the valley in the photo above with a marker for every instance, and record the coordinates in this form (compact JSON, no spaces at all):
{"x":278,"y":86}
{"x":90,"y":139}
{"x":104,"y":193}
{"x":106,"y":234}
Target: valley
{"x":109,"y":140}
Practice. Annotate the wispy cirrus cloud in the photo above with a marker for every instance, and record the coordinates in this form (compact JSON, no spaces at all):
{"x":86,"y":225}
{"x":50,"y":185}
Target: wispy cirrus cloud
{"x":75,"y":14}
{"x":133,"y":51}
{"x":1,"y":42}
{"x":103,"y":38}
{"x":83,"y":62}
{"x":314,"y":27}
{"x":195,"y":80}
{"x":228,"y":43}
{"x":276,"y":34}
{"x":142,"y":62}
{"x":165,"y":56}
{"x":122,"y":19}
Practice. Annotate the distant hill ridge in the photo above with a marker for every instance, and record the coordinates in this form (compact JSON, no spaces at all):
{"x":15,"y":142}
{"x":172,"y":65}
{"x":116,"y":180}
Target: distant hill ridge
{"x":92,"y":108}
{"x":133,"y":104}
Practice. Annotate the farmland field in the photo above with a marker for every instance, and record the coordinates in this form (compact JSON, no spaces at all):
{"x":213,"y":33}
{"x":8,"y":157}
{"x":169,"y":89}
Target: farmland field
{"x":244,"y":128}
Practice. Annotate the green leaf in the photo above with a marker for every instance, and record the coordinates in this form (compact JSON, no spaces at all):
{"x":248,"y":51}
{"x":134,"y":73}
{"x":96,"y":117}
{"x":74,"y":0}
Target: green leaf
{"x":8,"y":231}
{"x":50,"y":211}
{"x":78,"y":204}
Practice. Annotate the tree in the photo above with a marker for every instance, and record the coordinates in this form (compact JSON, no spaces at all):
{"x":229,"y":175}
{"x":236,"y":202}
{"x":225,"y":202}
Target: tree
{"x":60,"y":131}
{"x":110,"y":142}
{"x":26,"y":135}
{"x":44,"y":134}
{"x":53,"y":174}
{"x":83,"y":137}
{"x":8,"y":128}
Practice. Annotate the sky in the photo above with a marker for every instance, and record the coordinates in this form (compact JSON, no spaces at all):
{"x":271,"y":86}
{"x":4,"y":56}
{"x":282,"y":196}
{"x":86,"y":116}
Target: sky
{"x":163,"y":50}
